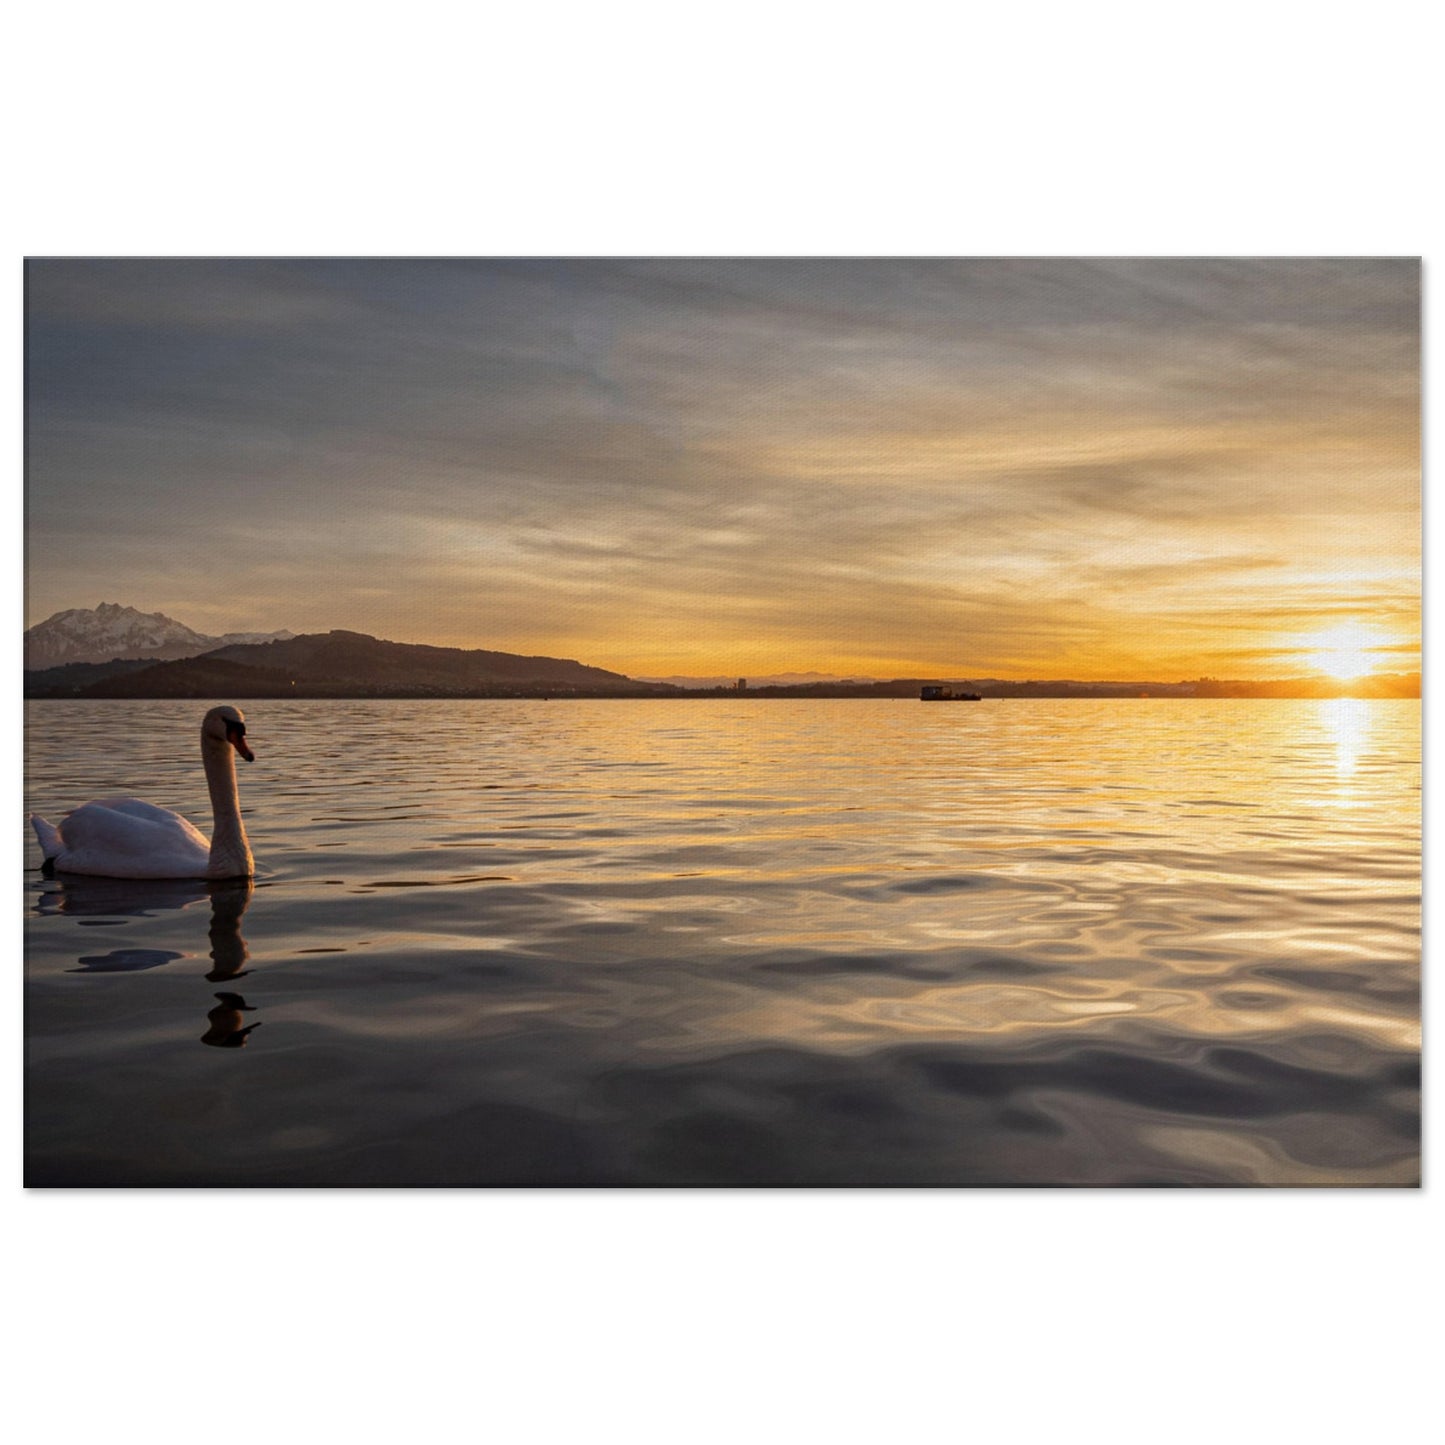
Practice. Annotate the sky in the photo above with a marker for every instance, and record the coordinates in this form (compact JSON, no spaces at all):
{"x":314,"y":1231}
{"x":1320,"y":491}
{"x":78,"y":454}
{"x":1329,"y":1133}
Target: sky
{"x":1037,"y":468}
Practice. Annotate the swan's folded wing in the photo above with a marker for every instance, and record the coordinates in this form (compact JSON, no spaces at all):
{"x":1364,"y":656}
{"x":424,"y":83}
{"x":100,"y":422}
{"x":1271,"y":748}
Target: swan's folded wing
{"x":136,"y":808}
{"x":126,"y":838}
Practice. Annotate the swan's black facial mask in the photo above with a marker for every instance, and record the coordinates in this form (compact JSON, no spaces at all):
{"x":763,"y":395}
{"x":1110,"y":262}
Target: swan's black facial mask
{"x":236,"y":736}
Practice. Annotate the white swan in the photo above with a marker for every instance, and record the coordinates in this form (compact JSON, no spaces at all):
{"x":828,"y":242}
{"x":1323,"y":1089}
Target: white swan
{"x":126,"y":838}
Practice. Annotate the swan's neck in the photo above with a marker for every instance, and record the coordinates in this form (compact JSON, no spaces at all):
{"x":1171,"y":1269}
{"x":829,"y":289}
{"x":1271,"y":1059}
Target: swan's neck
{"x":230,"y":852}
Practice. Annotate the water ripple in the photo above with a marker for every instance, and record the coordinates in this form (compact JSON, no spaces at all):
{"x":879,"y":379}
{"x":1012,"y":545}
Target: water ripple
{"x":774,"y":943}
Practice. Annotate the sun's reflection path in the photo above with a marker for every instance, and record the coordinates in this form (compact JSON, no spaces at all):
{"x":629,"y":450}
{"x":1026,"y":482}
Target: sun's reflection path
{"x":1348,"y":721}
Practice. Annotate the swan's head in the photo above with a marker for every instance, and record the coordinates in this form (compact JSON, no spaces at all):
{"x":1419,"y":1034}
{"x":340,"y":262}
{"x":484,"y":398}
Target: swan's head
{"x":227,"y":726}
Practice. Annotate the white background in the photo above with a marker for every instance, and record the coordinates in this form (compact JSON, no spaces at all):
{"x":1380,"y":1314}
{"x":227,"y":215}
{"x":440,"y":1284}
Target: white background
{"x":1034,"y":129}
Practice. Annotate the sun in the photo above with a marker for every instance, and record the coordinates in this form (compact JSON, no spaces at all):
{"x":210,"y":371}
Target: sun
{"x":1345,"y":652}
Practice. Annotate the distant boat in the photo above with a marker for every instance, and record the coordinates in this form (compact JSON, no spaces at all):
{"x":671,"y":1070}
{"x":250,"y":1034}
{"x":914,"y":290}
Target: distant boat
{"x":941,"y":692}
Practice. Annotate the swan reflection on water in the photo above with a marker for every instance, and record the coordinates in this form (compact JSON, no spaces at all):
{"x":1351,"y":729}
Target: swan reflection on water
{"x":226,"y":1020}
{"x":229,"y":953}
{"x":84,"y":897}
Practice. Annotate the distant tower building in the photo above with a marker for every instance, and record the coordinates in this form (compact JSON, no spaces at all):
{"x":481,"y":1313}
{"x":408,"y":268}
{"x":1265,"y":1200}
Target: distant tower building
{"x":742,"y":684}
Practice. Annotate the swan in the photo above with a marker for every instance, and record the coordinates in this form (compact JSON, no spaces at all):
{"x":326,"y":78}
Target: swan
{"x":126,"y":838}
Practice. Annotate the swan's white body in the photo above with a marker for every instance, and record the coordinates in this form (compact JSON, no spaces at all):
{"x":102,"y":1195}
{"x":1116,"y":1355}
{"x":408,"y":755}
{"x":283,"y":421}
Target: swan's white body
{"x":126,"y":838}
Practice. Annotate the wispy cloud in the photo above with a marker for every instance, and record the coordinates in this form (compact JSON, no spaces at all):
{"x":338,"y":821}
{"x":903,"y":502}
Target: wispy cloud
{"x":673,"y":466}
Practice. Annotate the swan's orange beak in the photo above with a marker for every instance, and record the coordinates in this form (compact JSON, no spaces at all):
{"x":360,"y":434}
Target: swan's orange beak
{"x":237,"y":739}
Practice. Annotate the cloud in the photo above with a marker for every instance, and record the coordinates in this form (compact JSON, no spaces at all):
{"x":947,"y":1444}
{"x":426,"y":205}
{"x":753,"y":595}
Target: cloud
{"x":853,"y":465}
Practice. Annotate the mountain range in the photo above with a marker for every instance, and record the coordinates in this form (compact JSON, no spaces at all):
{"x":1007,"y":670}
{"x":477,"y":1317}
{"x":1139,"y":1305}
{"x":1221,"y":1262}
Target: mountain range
{"x":111,"y":632}
{"x":325,"y":664}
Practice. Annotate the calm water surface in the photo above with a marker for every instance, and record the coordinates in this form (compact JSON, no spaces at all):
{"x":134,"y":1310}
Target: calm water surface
{"x":741,"y":942}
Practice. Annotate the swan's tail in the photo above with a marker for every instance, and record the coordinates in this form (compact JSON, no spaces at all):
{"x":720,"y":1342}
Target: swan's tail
{"x":49,"y":836}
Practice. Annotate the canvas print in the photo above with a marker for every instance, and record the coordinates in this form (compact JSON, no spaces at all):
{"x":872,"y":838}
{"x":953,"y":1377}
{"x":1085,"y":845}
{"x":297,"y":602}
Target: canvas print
{"x":722,"y":722}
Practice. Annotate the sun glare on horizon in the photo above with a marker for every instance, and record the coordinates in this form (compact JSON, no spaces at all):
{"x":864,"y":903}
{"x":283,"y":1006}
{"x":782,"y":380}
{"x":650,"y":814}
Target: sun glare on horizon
{"x":1346,"y":652}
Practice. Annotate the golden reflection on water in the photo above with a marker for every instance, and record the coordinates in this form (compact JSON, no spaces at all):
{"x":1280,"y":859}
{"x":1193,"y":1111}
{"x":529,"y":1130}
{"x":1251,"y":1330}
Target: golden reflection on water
{"x":1348,"y":721}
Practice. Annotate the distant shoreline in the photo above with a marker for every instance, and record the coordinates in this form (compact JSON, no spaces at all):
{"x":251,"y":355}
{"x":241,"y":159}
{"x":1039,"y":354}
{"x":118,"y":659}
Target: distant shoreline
{"x":353,"y":665}
{"x":1105,"y":694}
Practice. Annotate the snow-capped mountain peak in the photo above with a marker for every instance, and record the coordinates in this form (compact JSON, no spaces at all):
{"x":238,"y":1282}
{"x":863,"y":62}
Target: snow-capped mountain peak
{"x":110,"y":631}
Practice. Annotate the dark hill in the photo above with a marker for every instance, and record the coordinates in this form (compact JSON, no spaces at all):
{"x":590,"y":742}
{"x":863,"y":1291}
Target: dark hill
{"x":204,"y":676}
{"x":69,"y":678}
{"x":349,"y":664}
{"x":353,"y":656}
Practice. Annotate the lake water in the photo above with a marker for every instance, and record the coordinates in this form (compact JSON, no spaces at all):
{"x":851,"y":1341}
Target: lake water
{"x":741,"y":941}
